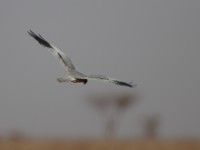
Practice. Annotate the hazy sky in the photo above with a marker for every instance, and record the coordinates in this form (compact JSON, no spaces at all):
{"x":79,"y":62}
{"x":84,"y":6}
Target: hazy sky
{"x":154,"y":43}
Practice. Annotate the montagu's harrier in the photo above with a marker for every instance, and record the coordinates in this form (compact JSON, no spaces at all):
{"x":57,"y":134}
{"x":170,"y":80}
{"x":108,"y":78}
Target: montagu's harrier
{"x":74,"y":76}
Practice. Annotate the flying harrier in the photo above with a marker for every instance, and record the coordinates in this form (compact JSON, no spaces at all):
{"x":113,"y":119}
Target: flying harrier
{"x":74,"y":76}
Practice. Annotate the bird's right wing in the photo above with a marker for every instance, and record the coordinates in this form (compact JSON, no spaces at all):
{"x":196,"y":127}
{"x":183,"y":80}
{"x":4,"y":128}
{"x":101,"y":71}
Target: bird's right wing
{"x":63,"y":59}
{"x":108,"y":79}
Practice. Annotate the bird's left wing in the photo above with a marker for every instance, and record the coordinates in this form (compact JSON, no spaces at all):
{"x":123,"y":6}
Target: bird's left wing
{"x":63,"y":59}
{"x":111,"y":80}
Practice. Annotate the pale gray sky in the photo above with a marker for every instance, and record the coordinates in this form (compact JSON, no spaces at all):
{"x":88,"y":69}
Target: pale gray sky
{"x":154,"y":43}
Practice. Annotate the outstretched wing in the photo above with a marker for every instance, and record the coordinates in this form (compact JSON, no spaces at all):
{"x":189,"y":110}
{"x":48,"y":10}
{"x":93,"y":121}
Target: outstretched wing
{"x":111,"y":80}
{"x":63,"y":59}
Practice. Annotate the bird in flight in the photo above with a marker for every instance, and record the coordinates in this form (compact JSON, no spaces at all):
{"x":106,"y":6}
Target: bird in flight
{"x":74,"y":76}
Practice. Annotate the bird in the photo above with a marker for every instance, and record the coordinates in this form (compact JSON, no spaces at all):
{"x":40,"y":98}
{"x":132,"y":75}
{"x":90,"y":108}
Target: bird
{"x":74,"y":76}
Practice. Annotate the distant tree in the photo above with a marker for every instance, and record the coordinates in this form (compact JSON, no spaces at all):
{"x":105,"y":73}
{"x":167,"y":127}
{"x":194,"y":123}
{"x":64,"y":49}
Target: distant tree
{"x":151,"y":124}
{"x":114,"y":104}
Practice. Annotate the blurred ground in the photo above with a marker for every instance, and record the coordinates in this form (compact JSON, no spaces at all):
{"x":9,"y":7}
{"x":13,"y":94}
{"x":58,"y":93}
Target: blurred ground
{"x":86,"y":144}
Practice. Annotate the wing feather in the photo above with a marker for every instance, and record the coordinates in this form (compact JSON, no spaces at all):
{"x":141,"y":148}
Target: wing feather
{"x":63,"y":59}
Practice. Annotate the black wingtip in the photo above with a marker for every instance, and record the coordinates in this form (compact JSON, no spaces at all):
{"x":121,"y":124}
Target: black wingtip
{"x":40,"y":39}
{"x":125,"y":84}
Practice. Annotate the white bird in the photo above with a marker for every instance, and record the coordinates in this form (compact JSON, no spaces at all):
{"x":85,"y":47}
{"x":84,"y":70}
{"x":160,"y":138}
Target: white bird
{"x":74,"y":76}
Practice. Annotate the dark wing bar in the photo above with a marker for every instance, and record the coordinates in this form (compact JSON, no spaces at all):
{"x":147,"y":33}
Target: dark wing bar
{"x":124,"y":84}
{"x":40,"y":39}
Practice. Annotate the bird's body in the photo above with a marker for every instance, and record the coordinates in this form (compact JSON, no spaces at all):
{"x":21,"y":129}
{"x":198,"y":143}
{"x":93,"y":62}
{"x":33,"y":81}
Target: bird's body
{"x":74,"y":76}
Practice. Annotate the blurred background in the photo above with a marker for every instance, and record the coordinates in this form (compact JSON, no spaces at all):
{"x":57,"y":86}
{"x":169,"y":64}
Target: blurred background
{"x":154,"y":43}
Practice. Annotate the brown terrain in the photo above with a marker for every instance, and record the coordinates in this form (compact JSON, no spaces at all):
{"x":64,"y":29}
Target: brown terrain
{"x":98,"y":144}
